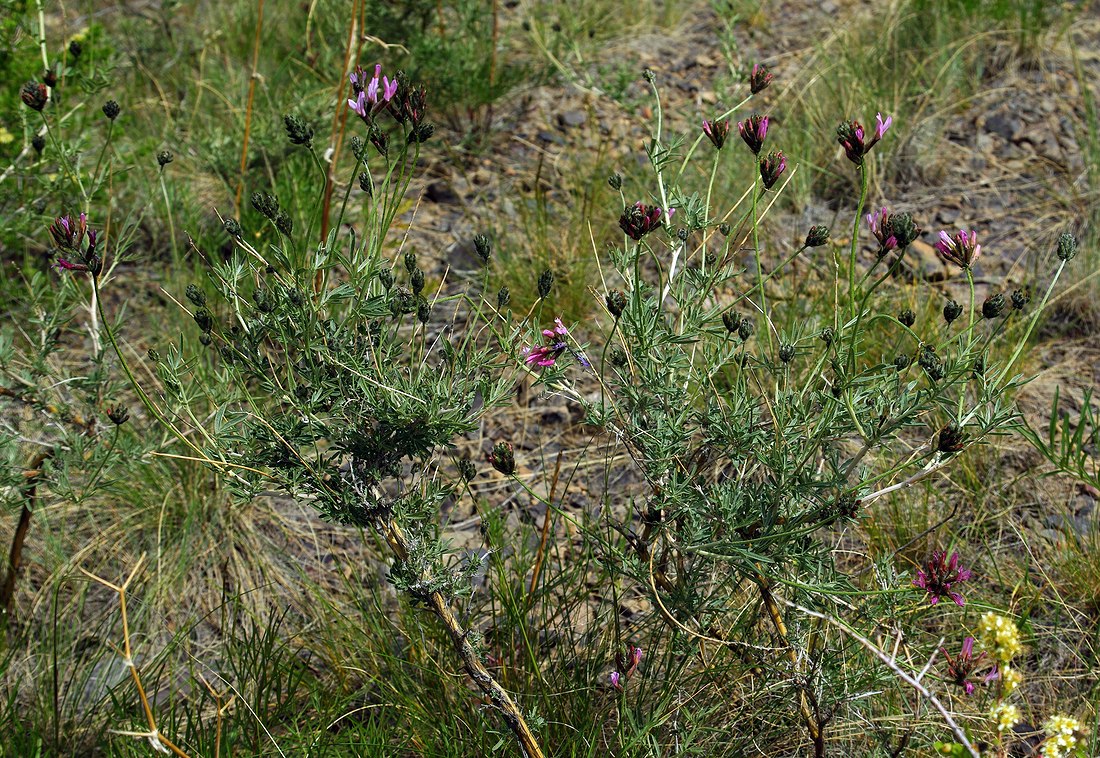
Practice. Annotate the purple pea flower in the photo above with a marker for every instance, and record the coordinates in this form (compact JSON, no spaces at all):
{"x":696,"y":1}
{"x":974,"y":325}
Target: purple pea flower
{"x":68,"y":233}
{"x":753,"y":131}
{"x":556,"y":344}
{"x":716,"y":131}
{"x":962,"y":249}
{"x":877,"y":223}
{"x":639,"y":219}
{"x":940,"y":574}
{"x":961,"y":668}
{"x":616,"y":680}
{"x":759,"y":79}
{"x":851,"y":135}
{"x":371,"y":95}
{"x":772,"y":167}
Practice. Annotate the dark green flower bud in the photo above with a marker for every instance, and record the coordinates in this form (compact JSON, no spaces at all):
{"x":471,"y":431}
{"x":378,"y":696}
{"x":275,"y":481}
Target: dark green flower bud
{"x":503,"y":297}
{"x":467,"y":470}
{"x":979,"y":365}
{"x":196,"y":296}
{"x":901,"y":362}
{"x":386,"y":277}
{"x":421,"y":133}
{"x":365,"y":183}
{"x":746,"y":328}
{"x":153,"y":354}
{"x":616,"y":302}
{"x":1067,"y":246}
{"x":900,"y":226}
{"x":993,"y":306}
{"x":204,"y":320}
{"x":617,"y":356}
{"x":410,"y":261}
{"x":111,"y":109}
{"x":786,"y":353}
{"x":615,"y":181}
{"x":358,"y":148}
{"x":204,"y":340}
{"x":232,"y":228}
{"x":1020,"y":298}
{"x":50,"y":77}
{"x":38,"y":142}
{"x":649,"y":76}
{"x":423,"y":311}
{"x":724,"y":230}
{"x":951,"y":311}
{"x":951,"y":439}
{"x":546,"y":281}
{"x":827,"y":336}
{"x":164,"y":157}
{"x":503,"y":458}
{"x":483,"y":248}
{"x":906,"y":317}
{"x":731,"y":321}
{"x":682,"y":234}
{"x":118,"y":415}
{"x":75,"y":49}
{"x":931,"y":363}
{"x":267,"y":205}
{"x":298,"y":131}
{"x":817,"y":236}
{"x":416,"y":281}
{"x":284,"y":223}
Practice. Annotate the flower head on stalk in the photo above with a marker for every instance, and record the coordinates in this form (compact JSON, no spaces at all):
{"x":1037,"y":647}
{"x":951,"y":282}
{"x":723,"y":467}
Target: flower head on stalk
{"x":628,"y":664}
{"x":772,"y":167}
{"x":640,"y":219}
{"x":556,"y":344}
{"x":68,"y":233}
{"x":716,"y":132}
{"x":753,"y":131}
{"x":961,"y":668}
{"x":851,"y":136}
{"x":759,"y":79}
{"x":961,"y":249}
{"x":877,"y":223}
{"x":371,"y":95}
{"x":940,"y":574}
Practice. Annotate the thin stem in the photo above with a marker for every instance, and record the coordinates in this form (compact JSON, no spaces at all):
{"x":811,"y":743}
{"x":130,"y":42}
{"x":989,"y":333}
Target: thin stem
{"x":252,"y":77}
{"x":171,"y":221}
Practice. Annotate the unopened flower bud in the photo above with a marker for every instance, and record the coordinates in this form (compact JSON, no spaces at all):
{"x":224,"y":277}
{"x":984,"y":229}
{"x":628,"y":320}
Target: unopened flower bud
{"x":410,"y":261}
{"x":951,"y":439}
{"x":153,"y":354}
{"x":979,"y":365}
{"x":284,"y":223}
{"x":786,"y":353}
{"x":827,"y":336}
{"x":772,"y":167}
{"x":164,"y":157}
{"x":232,"y":228}
{"x":298,"y":131}
{"x":204,"y":320}
{"x":503,"y":458}
{"x":503,"y":297}
{"x":951,"y":311}
{"x":35,"y":95}
{"x":467,"y":470}
{"x":759,"y":78}
{"x":423,"y":311}
{"x":617,"y":356}
{"x":993,"y":306}
{"x":615,"y":181}
{"x":746,"y":328}
{"x":724,"y":230}
{"x":901,"y":362}
{"x":118,"y":415}
{"x":111,"y":109}
{"x":906,"y":317}
{"x":1067,"y":247}
{"x":546,"y":281}
{"x":50,"y":78}
{"x":817,"y":236}
{"x":649,"y":76}
{"x":483,"y":247}
{"x":75,"y":49}
{"x":1020,"y":298}
{"x":616,"y":302}
{"x":196,"y":296}
{"x":38,"y":142}
{"x":386,"y":277}
{"x":731,"y":321}
{"x":416,"y":281}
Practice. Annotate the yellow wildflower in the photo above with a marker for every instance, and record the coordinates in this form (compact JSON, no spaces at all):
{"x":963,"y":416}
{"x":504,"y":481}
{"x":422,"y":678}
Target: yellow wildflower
{"x":1061,"y":738}
{"x":5,"y":136}
{"x":1000,"y":636}
{"x":1006,"y":716}
{"x":1010,"y":680}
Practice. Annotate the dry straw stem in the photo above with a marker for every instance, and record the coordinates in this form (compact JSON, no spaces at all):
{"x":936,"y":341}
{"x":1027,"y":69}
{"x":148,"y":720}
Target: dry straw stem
{"x":912,"y":681}
{"x":156,"y":739}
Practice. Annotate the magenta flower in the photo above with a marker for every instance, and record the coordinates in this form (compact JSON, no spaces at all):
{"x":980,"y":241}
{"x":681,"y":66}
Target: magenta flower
{"x":628,"y":663}
{"x":962,"y":249}
{"x":961,"y":668}
{"x":851,"y":137}
{"x":68,"y":234}
{"x":371,"y":95}
{"x":877,"y":223}
{"x":66,"y":265}
{"x":759,"y":79}
{"x":639,"y":219}
{"x":940,"y":574}
{"x":717,"y":131}
{"x":556,"y":344}
{"x":772,"y":166}
{"x":753,"y":131}
{"x":616,"y":680}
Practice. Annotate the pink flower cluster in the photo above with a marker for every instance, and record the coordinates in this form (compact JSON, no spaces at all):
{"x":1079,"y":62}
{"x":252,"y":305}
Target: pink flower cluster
{"x":940,"y":574}
{"x":961,"y":249}
{"x":629,"y":664}
{"x":546,"y":355}
{"x":371,"y":95}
